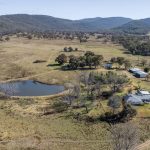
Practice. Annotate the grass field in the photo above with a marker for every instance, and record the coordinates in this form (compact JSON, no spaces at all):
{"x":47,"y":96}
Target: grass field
{"x":22,"y":126}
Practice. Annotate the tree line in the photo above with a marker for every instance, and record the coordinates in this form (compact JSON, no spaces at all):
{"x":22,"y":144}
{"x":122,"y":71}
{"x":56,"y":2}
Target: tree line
{"x":136,"y":45}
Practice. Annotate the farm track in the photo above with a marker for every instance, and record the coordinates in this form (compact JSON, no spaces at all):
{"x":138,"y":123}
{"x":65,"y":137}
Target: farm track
{"x":144,"y":146}
{"x":26,"y":78}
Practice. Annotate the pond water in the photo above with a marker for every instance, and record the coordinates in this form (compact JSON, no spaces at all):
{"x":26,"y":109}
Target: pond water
{"x":29,"y":88}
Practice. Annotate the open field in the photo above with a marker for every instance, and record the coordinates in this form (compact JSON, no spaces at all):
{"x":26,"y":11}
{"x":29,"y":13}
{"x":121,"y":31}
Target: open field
{"x":21,"y":123}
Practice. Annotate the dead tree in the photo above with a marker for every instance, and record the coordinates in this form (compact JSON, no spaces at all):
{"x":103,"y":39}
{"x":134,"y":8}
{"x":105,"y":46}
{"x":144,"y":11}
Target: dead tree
{"x":124,"y":136}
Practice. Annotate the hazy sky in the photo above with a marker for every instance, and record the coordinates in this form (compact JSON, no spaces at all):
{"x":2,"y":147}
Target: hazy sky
{"x":77,"y":9}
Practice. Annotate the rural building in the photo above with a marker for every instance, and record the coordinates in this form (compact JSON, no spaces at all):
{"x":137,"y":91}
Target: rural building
{"x":138,"y":98}
{"x":108,"y":66}
{"x":133,"y":99}
{"x":134,"y":70}
{"x":138,"y":73}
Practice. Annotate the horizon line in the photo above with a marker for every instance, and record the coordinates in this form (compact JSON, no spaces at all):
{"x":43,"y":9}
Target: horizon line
{"x":30,"y":14}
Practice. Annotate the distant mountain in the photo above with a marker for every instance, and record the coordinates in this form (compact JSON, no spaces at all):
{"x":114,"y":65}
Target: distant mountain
{"x":103,"y":23}
{"x":135,"y":26}
{"x":23,"y":22}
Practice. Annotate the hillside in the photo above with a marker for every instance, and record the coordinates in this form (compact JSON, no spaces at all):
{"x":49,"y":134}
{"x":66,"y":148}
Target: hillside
{"x":136,"y":26}
{"x":23,"y":22}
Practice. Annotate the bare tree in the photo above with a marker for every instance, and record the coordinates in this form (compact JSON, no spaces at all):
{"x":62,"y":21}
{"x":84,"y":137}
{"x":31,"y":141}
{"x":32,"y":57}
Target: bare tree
{"x":115,"y":102}
{"x":143,"y":62}
{"x":148,"y":77}
{"x":73,"y":93}
{"x":124,"y":136}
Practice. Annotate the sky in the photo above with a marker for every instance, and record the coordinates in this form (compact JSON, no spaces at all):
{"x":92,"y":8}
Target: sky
{"x":78,"y":9}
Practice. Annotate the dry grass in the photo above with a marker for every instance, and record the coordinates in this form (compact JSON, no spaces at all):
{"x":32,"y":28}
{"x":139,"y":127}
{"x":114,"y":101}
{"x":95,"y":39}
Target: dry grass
{"x":21,"y":125}
{"x":26,"y":129}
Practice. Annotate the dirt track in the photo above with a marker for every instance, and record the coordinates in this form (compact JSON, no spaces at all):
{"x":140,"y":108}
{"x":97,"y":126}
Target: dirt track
{"x":144,"y":146}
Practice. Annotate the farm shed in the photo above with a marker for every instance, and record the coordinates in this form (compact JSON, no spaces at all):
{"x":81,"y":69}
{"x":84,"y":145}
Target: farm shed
{"x":134,"y":70}
{"x":133,"y":99}
{"x":138,"y":98}
{"x":142,"y":92}
{"x":108,"y":66}
{"x":140,"y":74}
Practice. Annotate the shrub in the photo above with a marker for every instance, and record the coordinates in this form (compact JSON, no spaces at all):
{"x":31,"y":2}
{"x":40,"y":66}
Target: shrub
{"x":146,"y":69}
{"x":7,"y":38}
{"x":29,"y":37}
{"x":70,"y":49}
{"x":60,"y":106}
{"x":61,"y":59}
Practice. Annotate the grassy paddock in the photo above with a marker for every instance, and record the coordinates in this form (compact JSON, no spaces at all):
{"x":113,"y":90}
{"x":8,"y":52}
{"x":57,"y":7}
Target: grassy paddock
{"x":21,"y":123}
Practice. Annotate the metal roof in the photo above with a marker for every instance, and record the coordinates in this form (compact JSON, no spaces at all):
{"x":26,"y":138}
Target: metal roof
{"x":137,"y":98}
{"x":135,"y":69}
{"x":144,"y":97}
{"x":141,"y":72}
{"x":143,"y":92}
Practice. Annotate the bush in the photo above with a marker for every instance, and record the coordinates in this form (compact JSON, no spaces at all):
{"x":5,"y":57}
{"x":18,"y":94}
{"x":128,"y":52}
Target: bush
{"x":76,"y":49}
{"x":61,"y":59}
{"x":124,"y":116}
{"x":127,"y":113}
{"x":60,"y":106}
{"x":147,"y":69}
{"x":29,"y":37}
{"x":70,"y":49}
{"x":107,"y":94}
{"x":89,"y":119}
{"x":7,"y":38}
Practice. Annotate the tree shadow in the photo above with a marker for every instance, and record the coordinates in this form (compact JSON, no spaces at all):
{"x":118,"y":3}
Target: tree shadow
{"x":53,"y":65}
{"x":79,"y":51}
{"x":39,"y":61}
{"x":126,"y":52}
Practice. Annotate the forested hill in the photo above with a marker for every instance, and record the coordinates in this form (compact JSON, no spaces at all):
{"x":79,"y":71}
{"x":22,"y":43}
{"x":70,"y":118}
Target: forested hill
{"x":135,"y":27}
{"x":23,"y":22}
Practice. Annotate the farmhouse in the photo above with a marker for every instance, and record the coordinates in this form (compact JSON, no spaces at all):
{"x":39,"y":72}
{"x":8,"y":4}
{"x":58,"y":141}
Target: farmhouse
{"x":138,"y":98}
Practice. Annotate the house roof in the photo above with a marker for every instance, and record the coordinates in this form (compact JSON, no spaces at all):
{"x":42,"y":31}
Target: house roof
{"x":143,"y":92}
{"x":141,"y":73}
{"x":144,"y":97}
{"x":139,"y":98}
{"x":133,"y":99}
{"x":135,"y":69}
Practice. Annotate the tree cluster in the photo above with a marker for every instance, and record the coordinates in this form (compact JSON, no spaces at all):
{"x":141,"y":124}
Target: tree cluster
{"x":121,"y":61}
{"x":134,"y":44}
{"x":88,"y":60}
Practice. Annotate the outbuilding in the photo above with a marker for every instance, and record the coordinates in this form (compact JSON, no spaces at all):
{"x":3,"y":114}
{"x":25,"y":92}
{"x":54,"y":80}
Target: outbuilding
{"x":139,"y":98}
{"x":108,"y":66}
{"x":133,"y":99}
{"x":134,"y":70}
{"x":140,"y":74}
